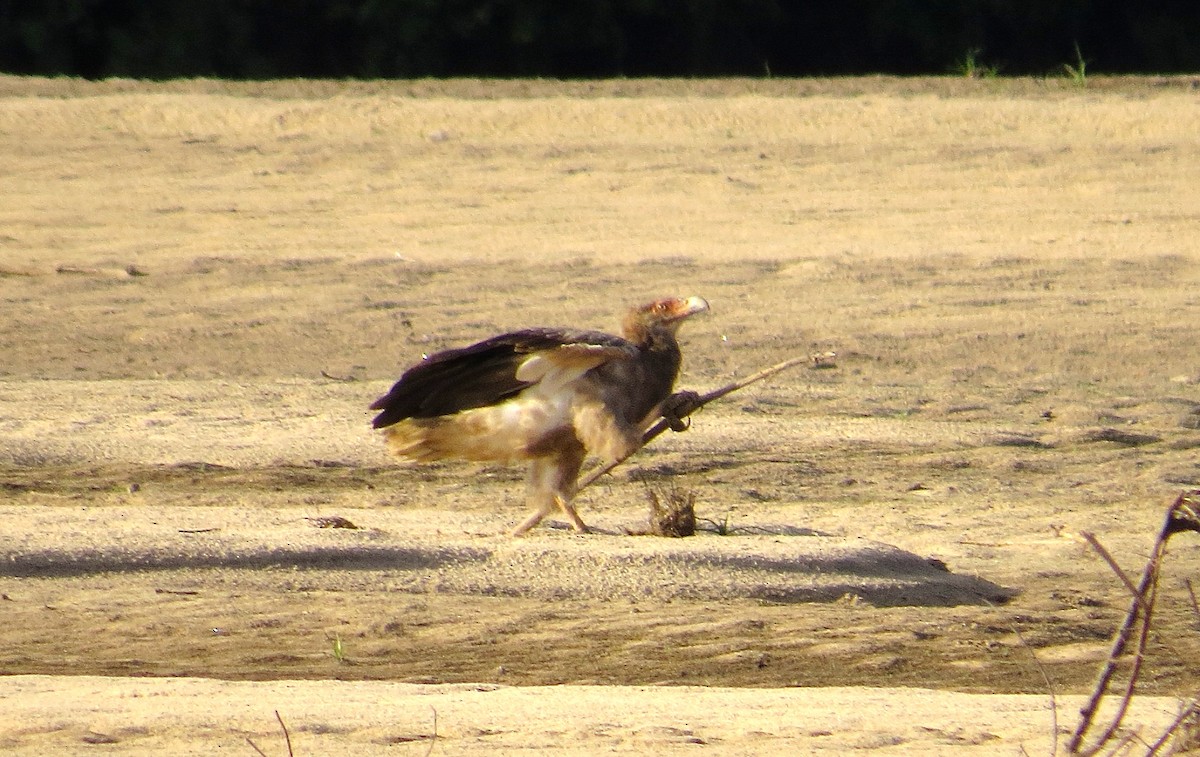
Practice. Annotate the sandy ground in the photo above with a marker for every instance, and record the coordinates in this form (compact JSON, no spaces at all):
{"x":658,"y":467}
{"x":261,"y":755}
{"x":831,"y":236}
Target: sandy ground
{"x":203,"y":285}
{"x":189,"y":716}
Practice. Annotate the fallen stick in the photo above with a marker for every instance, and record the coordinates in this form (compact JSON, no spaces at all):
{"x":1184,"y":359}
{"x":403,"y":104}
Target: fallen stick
{"x":663,"y":423}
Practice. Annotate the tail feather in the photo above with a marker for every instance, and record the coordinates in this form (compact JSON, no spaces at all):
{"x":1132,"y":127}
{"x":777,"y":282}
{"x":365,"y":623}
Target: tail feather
{"x":412,"y":441}
{"x":464,"y":436}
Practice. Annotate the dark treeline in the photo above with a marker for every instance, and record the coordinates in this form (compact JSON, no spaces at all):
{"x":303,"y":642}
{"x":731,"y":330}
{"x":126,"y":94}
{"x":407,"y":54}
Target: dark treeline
{"x":262,"y":39}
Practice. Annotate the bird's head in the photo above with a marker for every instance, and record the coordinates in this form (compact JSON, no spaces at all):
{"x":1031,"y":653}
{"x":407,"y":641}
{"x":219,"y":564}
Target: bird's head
{"x":661,"y":315}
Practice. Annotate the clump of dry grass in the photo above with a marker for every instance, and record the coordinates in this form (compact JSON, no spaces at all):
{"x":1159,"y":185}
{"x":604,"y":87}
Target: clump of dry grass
{"x":672,"y":511}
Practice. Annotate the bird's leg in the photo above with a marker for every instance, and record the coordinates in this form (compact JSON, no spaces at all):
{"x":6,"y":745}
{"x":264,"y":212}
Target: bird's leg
{"x":677,"y":407}
{"x":543,"y":510}
{"x":550,"y":484}
{"x":568,"y":509}
{"x":533,"y":519}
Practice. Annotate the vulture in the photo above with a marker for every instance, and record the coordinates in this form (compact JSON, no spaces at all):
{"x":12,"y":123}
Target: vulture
{"x":547,"y":396}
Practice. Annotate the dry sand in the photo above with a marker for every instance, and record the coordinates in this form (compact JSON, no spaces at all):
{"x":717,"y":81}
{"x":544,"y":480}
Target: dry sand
{"x":202,"y":286}
{"x":191,"y":716}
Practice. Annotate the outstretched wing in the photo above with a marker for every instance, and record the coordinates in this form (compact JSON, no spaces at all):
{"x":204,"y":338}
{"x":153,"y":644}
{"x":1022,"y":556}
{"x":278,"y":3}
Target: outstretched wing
{"x":491,"y":371}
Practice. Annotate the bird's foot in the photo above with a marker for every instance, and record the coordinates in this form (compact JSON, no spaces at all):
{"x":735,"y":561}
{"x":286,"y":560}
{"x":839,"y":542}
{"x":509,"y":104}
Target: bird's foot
{"x":568,"y":509}
{"x":677,"y":408}
{"x":541,"y":512}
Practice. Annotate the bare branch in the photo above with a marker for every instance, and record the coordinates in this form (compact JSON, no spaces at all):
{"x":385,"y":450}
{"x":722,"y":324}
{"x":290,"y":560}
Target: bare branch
{"x":1181,"y":516}
{"x":699,"y":402}
{"x":287,"y":737}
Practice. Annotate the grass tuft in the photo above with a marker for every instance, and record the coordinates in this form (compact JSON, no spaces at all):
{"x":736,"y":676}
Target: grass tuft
{"x":1077,"y":73}
{"x":672,"y":511}
{"x":970,"y":67}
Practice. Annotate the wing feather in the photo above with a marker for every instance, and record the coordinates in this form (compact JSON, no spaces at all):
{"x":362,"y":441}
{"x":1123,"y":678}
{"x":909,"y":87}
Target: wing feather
{"x":554,"y":368}
{"x":491,"y":371}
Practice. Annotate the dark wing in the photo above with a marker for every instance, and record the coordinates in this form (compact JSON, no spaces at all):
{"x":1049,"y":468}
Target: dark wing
{"x":485,"y":373}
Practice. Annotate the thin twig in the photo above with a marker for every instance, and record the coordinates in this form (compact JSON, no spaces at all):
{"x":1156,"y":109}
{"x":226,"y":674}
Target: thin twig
{"x":1049,"y":689}
{"x":716,"y":394}
{"x":1120,"y":746}
{"x":1187,"y":582}
{"x":1139,"y":657}
{"x":1188,"y":711}
{"x":287,"y":737}
{"x":1112,"y":563}
{"x":434,"y":735}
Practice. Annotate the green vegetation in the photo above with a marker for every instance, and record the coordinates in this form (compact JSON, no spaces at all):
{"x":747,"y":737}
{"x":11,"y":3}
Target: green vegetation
{"x":1078,"y":72}
{"x":970,"y":67}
